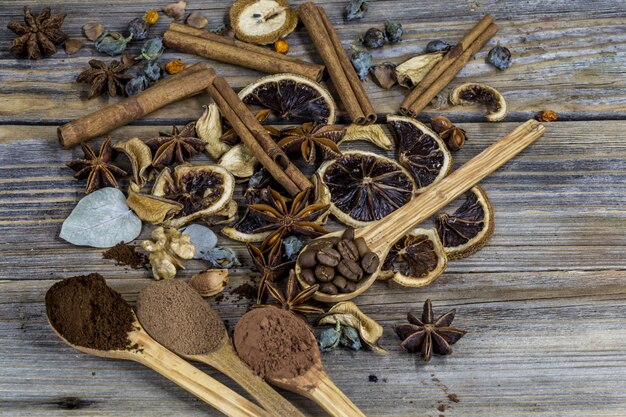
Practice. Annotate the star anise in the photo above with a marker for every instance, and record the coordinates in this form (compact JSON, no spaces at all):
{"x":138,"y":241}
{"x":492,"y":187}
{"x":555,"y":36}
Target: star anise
{"x":428,"y":335}
{"x":39,"y":36}
{"x":177,"y":147}
{"x":98,"y":170}
{"x":299,"y":218}
{"x":292,"y":299}
{"x":311,"y":137}
{"x":230,"y":136}
{"x":270,"y":264}
{"x":111,"y":78}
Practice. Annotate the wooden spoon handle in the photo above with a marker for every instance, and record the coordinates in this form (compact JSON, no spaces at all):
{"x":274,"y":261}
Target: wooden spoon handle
{"x":197,"y":382}
{"x":227,"y":362}
{"x":332,"y":400}
{"x":382,"y":234}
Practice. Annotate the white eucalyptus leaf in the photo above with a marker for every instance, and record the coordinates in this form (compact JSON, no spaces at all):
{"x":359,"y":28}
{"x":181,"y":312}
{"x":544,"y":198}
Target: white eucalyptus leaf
{"x":203,"y":238}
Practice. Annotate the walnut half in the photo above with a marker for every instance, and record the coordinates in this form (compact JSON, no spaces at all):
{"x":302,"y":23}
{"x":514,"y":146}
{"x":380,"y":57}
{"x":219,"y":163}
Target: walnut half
{"x":167,"y":250}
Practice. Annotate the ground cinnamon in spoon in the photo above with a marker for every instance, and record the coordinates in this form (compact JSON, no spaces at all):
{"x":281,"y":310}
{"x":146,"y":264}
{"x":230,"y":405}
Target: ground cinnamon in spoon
{"x":275,"y":343}
{"x":177,"y":317}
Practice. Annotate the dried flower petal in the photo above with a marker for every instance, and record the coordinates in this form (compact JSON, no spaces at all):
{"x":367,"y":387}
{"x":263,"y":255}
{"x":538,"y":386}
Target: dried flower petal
{"x":151,"y":17}
{"x":348,"y":314}
{"x":93,"y":31}
{"x":175,"y":66}
{"x":547,"y":116}
{"x":73,"y":45}
{"x":112,"y":43}
{"x":356,"y":9}
{"x":385,"y":74}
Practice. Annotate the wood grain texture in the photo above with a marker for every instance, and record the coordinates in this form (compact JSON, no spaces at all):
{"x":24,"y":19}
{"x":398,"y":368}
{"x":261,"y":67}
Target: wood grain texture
{"x":544,"y":302}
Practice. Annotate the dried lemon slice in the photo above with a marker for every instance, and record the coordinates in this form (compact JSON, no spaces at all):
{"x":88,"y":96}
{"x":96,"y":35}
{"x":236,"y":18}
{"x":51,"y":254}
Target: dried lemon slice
{"x":475,"y":93}
{"x":421,"y":151}
{"x":362,"y":187}
{"x":262,"y":21}
{"x":415,"y":260}
{"x":469,"y":228}
{"x":292,"y":97}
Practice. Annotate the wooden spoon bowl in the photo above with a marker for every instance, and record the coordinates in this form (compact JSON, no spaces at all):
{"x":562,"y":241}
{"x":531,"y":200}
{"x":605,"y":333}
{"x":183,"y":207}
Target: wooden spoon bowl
{"x":381,"y":235}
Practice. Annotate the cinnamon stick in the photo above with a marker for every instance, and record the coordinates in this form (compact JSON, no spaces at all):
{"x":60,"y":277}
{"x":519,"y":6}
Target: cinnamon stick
{"x":256,"y":138}
{"x":339,"y":67}
{"x":444,"y":79}
{"x":209,"y":45}
{"x":442,"y":66}
{"x":189,"y":82}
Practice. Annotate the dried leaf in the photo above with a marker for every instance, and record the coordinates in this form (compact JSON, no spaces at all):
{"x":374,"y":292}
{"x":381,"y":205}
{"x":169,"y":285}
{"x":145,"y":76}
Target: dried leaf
{"x":239,"y":160}
{"x":93,"y":31}
{"x":348,"y":314}
{"x":411,"y":72}
{"x":370,"y":133}
{"x":140,"y":157}
{"x":201,"y":237}
{"x":209,"y":130}
{"x":150,"y":208}
{"x":73,"y":45}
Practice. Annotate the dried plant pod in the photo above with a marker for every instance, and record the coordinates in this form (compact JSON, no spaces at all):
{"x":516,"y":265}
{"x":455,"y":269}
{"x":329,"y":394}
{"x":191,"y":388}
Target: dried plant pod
{"x":140,"y":157}
{"x":469,"y":228}
{"x":150,"y":208}
{"x":209,"y":282}
{"x":475,"y":93}
{"x":362,"y":187}
{"x":209,"y":129}
{"x":369,"y":133}
{"x":168,"y":248}
{"x":411,"y":72}
{"x":348,"y":314}
{"x":416,"y":260}
{"x":262,"y":21}
{"x":203,"y":190}
{"x":197,"y":20}
{"x":239,"y":161}
{"x":421,"y":150}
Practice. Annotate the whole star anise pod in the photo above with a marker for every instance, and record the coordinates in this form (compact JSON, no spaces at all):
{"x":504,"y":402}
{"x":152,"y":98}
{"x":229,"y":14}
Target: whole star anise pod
{"x":175,"y":148}
{"x":310,"y":138}
{"x":299,"y":218}
{"x":452,"y":135}
{"x":98,"y":170}
{"x":38,"y":36}
{"x":111,"y":78}
{"x":427,"y":335}
{"x":230,"y":136}
{"x":270,"y":264}
{"x":292,"y":299}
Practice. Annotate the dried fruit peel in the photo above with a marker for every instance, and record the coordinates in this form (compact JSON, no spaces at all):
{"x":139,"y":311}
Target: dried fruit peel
{"x":150,"y":208}
{"x":250,"y":28}
{"x":475,"y":93}
{"x":369,"y":133}
{"x":140,"y":157}
{"x":412,"y":71}
{"x":348,"y":314}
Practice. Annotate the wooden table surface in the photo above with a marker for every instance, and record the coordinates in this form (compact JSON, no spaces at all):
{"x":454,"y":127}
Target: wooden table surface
{"x":544,"y":302}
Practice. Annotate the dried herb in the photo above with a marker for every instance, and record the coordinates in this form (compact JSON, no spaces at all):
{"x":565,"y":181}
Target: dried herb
{"x":374,"y":38}
{"x":72,"y":46}
{"x":97,"y":169}
{"x":38,"y":36}
{"x":428,"y":335}
{"x":175,"y":66}
{"x":151,"y":17}
{"x":112,"y":43}
{"x":178,"y":147}
{"x":292,"y":299}
{"x":361,"y":60}
{"x":138,"y":28}
{"x":219,"y":257}
{"x":499,"y":57}
{"x":136,"y":85}
{"x":110,"y":78}
{"x":356,"y":9}
{"x":393,"y":31}
{"x":437,"y":46}
{"x":310,"y":138}
{"x":292,"y":245}
{"x":152,"y":49}
{"x":270,"y":264}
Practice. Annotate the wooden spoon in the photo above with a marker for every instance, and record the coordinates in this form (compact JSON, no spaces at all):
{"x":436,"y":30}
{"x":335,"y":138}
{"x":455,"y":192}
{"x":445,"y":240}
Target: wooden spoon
{"x":224,"y":359}
{"x":381,"y":234}
{"x":156,"y":357}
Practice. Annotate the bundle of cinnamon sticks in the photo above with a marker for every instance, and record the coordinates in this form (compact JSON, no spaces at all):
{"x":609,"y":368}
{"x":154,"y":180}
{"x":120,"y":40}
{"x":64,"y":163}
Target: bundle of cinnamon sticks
{"x":200,"y":42}
{"x":452,"y":62}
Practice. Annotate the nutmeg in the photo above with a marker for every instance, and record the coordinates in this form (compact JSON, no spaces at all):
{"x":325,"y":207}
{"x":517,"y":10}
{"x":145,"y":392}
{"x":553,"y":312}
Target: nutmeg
{"x":209,"y":282}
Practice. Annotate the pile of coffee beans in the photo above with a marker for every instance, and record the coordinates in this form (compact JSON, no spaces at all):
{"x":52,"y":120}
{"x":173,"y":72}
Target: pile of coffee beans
{"x":337,"y":264}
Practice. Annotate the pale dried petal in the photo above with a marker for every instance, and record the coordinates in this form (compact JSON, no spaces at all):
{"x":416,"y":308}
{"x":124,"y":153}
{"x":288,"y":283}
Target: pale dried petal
{"x":150,"y":208}
{"x":209,"y":130}
{"x":411,"y":72}
{"x":348,"y":314}
{"x":370,"y":133}
{"x":140,"y":157}
{"x":239,"y":160}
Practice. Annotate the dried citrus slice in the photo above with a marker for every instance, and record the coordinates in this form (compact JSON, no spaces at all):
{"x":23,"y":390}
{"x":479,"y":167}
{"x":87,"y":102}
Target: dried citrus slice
{"x":262,"y":21}
{"x":415,"y":260}
{"x":475,"y":93}
{"x":362,"y":187}
{"x":469,"y":228}
{"x":422,"y":152}
{"x":291,"y":97}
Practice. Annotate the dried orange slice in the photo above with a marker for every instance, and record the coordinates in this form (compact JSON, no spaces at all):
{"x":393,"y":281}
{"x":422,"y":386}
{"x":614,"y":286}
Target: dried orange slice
{"x":415,"y":260}
{"x":469,"y":227}
{"x":292,"y":97}
{"x":475,"y":93}
{"x":362,"y":187}
{"x":421,"y":151}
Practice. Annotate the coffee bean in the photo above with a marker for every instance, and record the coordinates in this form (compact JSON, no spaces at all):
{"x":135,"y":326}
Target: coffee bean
{"x":350,"y":287}
{"x":348,"y":250}
{"x":324,"y":273}
{"x":361,"y":246}
{"x":307,"y":259}
{"x":350,"y":269}
{"x":309,"y":276}
{"x":348,"y":234}
{"x":328,"y":288}
{"x":340,"y":282}
{"x":328,"y":256}
{"x":370,"y":262}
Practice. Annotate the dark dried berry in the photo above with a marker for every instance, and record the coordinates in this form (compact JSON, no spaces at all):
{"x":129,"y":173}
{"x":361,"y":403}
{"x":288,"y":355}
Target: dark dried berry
{"x":499,"y":57}
{"x":328,"y":288}
{"x":356,"y":9}
{"x":138,"y":28}
{"x":393,"y":31}
{"x":374,"y":38}
{"x":437,"y":45}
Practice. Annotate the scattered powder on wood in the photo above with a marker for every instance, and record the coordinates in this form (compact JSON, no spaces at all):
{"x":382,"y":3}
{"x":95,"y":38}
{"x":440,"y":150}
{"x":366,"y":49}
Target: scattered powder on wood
{"x":275,"y":343}
{"x":86,"y":312}
{"x":246,"y":291}
{"x":179,"y":318}
{"x":126,"y":255}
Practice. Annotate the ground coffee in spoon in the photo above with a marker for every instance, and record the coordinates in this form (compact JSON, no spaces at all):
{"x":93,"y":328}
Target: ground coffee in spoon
{"x":177,"y":317}
{"x":275,"y":343}
{"x":86,"y":312}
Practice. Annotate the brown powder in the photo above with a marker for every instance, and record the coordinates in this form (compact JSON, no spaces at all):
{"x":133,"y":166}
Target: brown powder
{"x":275,"y":343}
{"x":86,"y":312}
{"x":126,"y":255}
{"x":179,"y":318}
